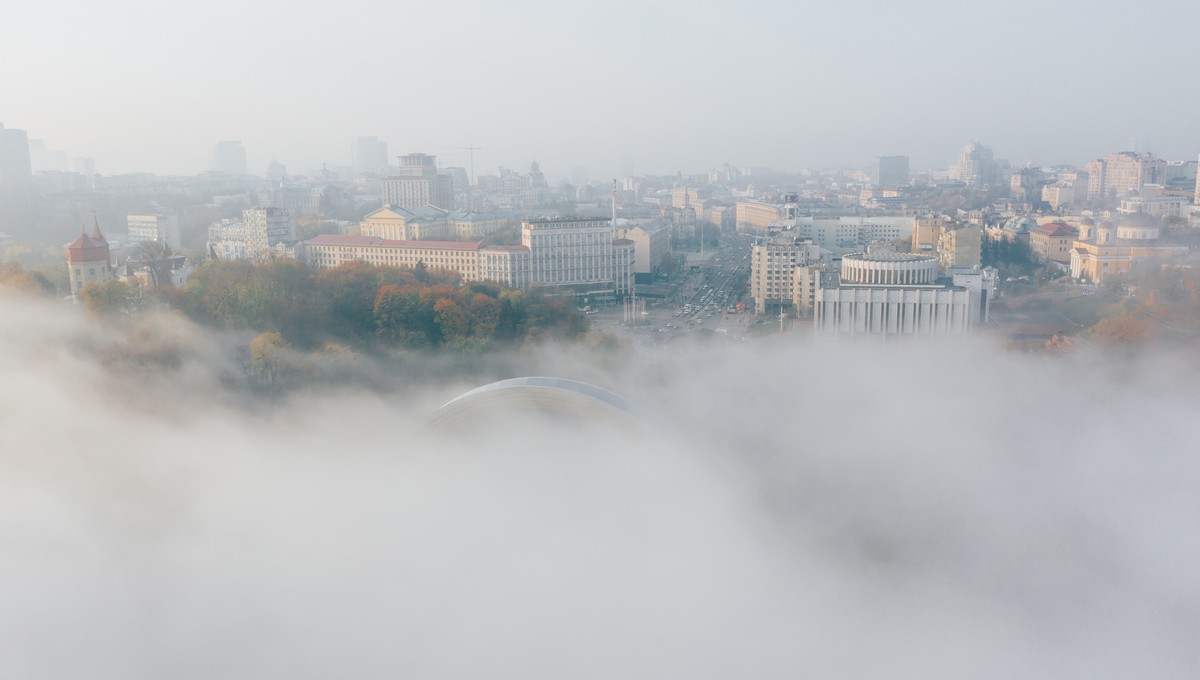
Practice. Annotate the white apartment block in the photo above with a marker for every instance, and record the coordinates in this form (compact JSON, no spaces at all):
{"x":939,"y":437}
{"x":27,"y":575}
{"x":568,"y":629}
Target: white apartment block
{"x":774,"y":266}
{"x":156,"y":227}
{"x":227,"y":240}
{"x":267,"y":228}
{"x":853,"y":232}
{"x":578,"y":252}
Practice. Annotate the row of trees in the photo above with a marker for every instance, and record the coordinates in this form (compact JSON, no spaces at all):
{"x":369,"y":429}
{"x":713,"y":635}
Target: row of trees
{"x":368,"y":306}
{"x":13,"y":275}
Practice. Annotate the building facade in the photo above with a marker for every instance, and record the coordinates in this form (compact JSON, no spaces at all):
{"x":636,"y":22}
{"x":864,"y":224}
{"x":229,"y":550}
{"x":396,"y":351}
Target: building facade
{"x":774,"y":266}
{"x":1106,"y":250}
{"x":418,"y":183}
{"x":368,"y":155}
{"x":1053,"y":241}
{"x":395,"y":223}
{"x":577,"y":252}
{"x":155,"y":227}
{"x":267,"y":228}
{"x":88,"y":260}
{"x":890,"y":171}
{"x":881,"y":292}
{"x":652,"y":245}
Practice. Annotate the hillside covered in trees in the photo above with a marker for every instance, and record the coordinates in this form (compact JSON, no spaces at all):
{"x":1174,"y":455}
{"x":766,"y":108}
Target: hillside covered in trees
{"x":367,"y":307}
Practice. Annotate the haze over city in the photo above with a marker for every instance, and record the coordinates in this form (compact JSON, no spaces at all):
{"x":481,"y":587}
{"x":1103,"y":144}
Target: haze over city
{"x":622,"y":87}
{"x":622,"y":340}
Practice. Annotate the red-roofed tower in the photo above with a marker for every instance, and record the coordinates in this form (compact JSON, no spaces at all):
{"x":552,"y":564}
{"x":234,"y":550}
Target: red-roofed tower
{"x":88,"y":259}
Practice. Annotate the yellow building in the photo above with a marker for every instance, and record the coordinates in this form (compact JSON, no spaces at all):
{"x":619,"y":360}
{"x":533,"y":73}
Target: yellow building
{"x":1053,"y":241}
{"x":395,"y":223}
{"x":756,"y":217}
{"x":1104,"y":250}
{"x":925,"y":232}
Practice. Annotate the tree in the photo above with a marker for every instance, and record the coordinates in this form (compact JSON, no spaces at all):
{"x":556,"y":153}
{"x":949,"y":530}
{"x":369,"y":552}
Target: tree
{"x":106,"y":298}
{"x":450,"y":318}
{"x":271,"y":361}
{"x":154,"y":257}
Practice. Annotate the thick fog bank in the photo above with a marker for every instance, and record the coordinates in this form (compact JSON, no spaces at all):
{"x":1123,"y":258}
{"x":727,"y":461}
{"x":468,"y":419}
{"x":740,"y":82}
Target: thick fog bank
{"x":915,"y":511}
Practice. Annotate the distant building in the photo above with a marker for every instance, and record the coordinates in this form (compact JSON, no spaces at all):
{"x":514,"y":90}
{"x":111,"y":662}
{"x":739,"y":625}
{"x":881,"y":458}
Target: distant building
{"x":926,"y":230}
{"x":88,"y":260}
{"x":890,"y":171}
{"x":508,"y":266}
{"x":156,"y":227}
{"x":1053,"y":241}
{"x":578,"y":252}
{"x":369,"y":155}
{"x":229,"y":157}
{"x":853,"y":232}
{"x":395,"y":223}
{"x":227,"y":240}
{"x":468,"y":226}
{"x":882,"y":293}
{"x":976,"y":165}
{"x":1106,"y":250}
{"x":652,"y":245}
{"x":775,"y":265}
{"x":1120,"y":174}
{"x":15,"y":164}
{"x":1163,"y":205}
{"x":1197,"y":196}
{"x":756,"y":216}
{"x":268,"y":232}
{"x":418,"y":183}
{"x":960,"y":246}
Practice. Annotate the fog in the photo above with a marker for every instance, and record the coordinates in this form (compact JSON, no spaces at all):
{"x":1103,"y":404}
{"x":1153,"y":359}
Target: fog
{"x":843,"y":511}
{"x":623,"y":87}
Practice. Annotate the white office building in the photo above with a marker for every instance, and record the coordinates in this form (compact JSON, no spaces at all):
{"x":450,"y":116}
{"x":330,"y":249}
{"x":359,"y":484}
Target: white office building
{"x":580,"y":252}
{"x":156,"y":227}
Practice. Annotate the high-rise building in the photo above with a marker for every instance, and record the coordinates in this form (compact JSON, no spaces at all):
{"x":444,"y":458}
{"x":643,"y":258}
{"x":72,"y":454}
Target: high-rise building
{"x":1119,"y":174}
{"x":15,"y":166}
{"x":229,"y":157}
{"x":267,"y":228}
{"x":1197,"y":197}
{"x":154,"y":227}
{"x":976,"y":165}
{"x":418,"y":183}
{"x":890,"y":171}
{"x":369,"y":155}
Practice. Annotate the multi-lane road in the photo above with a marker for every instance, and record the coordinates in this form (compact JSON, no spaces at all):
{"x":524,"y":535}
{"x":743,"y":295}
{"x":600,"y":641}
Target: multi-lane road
{"x":705,"y":300}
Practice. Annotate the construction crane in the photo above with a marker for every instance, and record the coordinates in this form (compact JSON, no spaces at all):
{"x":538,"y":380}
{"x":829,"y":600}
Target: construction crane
{"x":472,"y":150}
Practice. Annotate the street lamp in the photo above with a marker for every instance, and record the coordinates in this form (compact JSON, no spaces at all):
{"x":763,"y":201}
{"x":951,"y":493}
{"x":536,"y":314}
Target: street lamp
{"x":782,"y":316}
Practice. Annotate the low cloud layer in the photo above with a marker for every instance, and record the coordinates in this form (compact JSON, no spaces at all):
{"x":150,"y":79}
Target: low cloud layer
{"x":809,"y":510}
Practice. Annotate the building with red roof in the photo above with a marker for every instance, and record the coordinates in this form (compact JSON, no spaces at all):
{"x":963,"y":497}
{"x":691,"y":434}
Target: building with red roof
{"x":88,"y":260}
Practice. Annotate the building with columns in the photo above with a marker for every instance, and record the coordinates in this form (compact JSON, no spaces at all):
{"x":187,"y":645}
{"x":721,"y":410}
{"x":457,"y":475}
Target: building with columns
{"x":881,"y":292}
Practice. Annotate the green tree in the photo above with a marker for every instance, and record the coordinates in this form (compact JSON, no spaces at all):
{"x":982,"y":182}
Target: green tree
{"x":106,"y":298}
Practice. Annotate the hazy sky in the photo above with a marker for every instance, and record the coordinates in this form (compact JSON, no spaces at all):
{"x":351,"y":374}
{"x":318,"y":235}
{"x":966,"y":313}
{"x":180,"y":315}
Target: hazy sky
{"x":615,"y":86}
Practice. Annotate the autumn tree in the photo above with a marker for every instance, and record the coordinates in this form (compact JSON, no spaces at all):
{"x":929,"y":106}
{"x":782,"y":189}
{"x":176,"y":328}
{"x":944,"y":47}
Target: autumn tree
{"x":106,"y":298}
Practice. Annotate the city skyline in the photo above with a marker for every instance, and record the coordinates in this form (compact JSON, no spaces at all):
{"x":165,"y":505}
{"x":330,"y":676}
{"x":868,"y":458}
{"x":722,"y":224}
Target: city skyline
{"x":625,"y":90}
